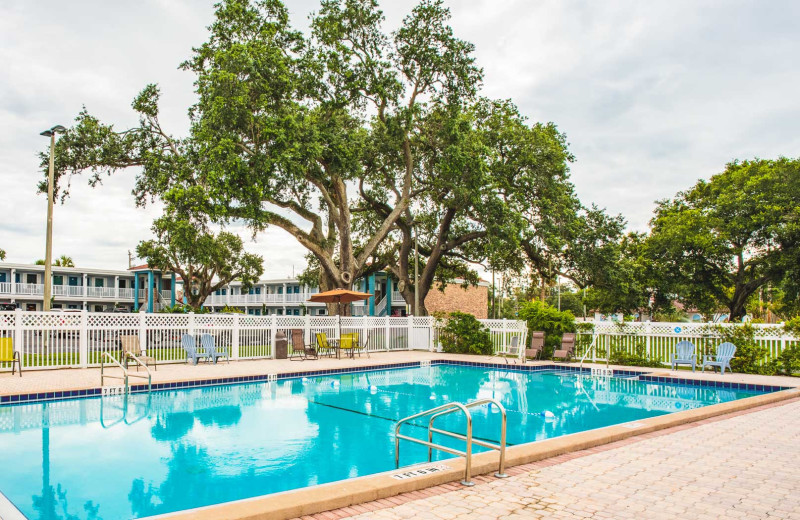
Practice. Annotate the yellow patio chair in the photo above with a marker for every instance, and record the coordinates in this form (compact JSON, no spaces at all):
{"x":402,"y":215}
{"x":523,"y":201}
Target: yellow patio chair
{"x":349,"y":343}
{"x":8,"y":355}
{"x":323,"y":347}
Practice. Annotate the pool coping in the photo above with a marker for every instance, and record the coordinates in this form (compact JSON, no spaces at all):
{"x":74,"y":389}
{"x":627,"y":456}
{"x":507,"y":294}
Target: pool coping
{"x":643,"y":375}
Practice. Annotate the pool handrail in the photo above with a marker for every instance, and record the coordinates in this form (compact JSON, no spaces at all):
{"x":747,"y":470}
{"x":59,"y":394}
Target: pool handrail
{"x":501,"y":447}
{"x":467,"y":453}
{"x":125,"y":374}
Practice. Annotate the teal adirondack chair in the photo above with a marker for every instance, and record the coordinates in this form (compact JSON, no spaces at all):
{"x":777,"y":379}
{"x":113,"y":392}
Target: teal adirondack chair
{"x":190,"y":346}
{"x":684,"y":355}
{"x":722,"y":359}
{"x":207,"y":342}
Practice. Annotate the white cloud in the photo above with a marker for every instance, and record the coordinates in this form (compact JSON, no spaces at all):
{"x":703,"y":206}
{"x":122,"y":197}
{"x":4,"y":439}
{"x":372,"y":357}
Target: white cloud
{"x":652,"y":96}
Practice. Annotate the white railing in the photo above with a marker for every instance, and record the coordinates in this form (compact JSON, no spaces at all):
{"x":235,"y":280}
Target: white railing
{"x":68,"y":290}
{"x":126,"y":294}
{"x":397,"y":299}
{"x":55,"y":340}
{"x":5,"y":287}
{"x":101,"y":292}
{"x":245,"y":299}
{"x":380,"y":307}
{"x":30,"y":288}
{"x":657,"y":340}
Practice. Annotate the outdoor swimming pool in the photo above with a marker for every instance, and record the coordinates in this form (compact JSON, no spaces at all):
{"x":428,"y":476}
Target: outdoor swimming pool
{"x":146,"y":454}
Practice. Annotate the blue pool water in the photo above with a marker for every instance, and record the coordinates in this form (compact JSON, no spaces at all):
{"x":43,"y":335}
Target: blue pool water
{"x":116,"y":457}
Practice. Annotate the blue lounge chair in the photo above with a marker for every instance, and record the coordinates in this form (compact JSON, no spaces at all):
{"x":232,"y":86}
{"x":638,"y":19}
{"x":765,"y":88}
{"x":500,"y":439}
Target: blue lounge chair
{"x":207,"y":342}
{"x":684,"y":355}
{"x":190,"y":346}
{"x":722,"y":359}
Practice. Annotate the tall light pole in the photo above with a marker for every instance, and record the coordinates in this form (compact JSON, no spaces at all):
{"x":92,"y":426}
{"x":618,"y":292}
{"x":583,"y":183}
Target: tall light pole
{"x":48,"y":255}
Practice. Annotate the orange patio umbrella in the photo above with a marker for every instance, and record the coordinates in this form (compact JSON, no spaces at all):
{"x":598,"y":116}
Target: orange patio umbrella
{"x":339,"y":296}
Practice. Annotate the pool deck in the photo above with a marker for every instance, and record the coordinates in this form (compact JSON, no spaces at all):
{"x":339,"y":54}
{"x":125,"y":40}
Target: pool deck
{"x":37,"y":381}
{"x":729,"y":460}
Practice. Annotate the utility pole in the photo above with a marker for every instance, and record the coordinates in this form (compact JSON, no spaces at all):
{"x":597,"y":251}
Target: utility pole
{"x":130,"y":259}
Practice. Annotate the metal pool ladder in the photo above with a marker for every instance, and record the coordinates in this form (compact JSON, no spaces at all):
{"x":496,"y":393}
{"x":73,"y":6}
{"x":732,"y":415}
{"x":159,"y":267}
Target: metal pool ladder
{"x":446,"y":409}
{"x":125,"y":374}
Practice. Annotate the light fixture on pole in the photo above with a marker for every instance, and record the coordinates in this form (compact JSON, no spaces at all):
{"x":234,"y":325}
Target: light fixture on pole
{"x":48,"y":255}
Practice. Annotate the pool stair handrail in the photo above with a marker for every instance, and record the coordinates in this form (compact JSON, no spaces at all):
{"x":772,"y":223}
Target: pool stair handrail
{"x":592,"y":346}
{"x":125,"y":374}
{"x":446,"y":409}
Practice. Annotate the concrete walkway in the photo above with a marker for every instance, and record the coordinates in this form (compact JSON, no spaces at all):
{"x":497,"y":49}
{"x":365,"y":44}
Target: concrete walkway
{"x":742,"y":466}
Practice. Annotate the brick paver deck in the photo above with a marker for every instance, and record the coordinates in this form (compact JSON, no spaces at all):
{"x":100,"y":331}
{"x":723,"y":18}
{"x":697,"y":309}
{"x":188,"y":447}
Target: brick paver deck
{"x":743,"y":466}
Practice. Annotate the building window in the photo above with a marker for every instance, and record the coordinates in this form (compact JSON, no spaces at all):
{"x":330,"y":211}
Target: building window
{"x":297,"y":312}
{"x":258,"y":290}
{"x":99,"y":282}
{"x":58,"y":279}
{"x":297,"y":289}
{"x":30,"y":278}
{"x":280,"y":290}
{"x":123,"y":284}
{"x":280,"y":312}
{"x":73,"y":281}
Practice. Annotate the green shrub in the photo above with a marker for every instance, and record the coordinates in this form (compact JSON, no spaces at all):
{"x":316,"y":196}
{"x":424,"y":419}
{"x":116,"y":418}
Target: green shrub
{"x":750,"y":356}
{"x":464,"y":334}
{"x":788,"y":363}
{"x":545,"y":318}
{"x":621,"y":356}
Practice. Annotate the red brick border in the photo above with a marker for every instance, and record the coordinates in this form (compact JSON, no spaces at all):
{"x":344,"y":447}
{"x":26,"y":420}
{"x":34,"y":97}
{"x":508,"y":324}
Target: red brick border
{"x":403,"y":498}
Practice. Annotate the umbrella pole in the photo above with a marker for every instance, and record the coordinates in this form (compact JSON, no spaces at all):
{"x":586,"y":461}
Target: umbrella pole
{"x":339,"y":323}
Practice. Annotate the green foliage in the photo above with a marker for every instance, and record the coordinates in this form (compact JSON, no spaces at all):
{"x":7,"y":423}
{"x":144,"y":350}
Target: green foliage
{"x":546,"y":318}
{"x":231,"y":310}
{"x":61,"y":261}
{"x":750,"y":356}
{"x":792,"y":327}
{"x":621,"y":355}
{"x":201,"y":258}
{"x":2,"y":254}
{"x":64,"y":261}
{"x":788,"y":363}
{"x":464,"y":334}
{"x":716,"y":244}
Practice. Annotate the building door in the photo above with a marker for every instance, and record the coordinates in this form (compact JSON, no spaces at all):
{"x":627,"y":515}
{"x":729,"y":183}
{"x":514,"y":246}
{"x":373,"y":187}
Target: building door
{"x":30,"y":306}
{"x":73,"y":281}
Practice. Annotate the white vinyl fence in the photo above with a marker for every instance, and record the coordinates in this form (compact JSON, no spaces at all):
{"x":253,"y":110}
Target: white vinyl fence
{"x":57,"y":340}
{"x":657,"y":340}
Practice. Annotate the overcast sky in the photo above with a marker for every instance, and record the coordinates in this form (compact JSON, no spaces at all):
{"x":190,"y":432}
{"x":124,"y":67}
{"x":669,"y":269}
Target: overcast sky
{"x":652,"y":96}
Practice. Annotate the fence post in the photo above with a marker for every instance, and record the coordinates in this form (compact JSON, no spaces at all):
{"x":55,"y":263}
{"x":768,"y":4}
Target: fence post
{"x":83,"y":340}
{"x":191,"y":324}
{"x":504,"y":334}
{"x":647,"y":340}
{"x":307,"y":330}
{"x":235,"y":338}
{"x":364,"y":332}
{"x":431,"y":334}
{"x":18,"y":336}
{"x":273,"y":330}
{"x":143,"y":332}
